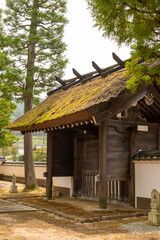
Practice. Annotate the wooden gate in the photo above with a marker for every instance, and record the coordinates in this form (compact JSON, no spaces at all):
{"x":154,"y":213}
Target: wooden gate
{"x":117,"y":187}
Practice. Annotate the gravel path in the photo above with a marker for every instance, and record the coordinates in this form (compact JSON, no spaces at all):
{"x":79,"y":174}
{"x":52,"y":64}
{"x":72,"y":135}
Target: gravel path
{"x":140,"y":227}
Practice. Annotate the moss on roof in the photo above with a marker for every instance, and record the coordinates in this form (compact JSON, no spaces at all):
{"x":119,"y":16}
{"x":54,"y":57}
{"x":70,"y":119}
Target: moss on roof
{"x":75,"y":99}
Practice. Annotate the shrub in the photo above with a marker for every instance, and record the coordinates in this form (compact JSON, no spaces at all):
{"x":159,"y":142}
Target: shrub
{"x":40,"y":154}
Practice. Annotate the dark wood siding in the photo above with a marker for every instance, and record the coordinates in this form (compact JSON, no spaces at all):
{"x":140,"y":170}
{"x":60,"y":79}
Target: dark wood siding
{"x":118,"y":152}
{"x":148,"y":141}
{"x":62,"y":153}
{"x":91,"y":155}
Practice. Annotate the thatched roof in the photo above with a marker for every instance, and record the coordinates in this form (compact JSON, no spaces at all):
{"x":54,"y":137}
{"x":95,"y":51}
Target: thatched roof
{"x":77,"y":104}
{"x":80,"y":100}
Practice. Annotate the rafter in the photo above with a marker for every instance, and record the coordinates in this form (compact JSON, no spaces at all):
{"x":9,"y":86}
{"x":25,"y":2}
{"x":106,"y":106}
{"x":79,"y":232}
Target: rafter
{"x":98,"y":69}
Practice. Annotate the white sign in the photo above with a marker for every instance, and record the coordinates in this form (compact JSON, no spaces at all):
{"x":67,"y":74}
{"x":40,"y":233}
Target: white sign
{"x":142,"y":128}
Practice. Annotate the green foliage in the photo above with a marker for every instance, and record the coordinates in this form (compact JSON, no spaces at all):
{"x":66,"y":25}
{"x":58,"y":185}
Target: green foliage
{"x":18,"y":112}
{"x":14,"y":152}
{"x":136,"y":23}
{"x":33,"y":30}
{"x":40,"y":154}
{"x":8,"y":75}
{"x":6,"y":108}
{"x":34,"y":33}
{"x":9,"y":151}
{"x":21,"y":158}
{"x":5,"y":151}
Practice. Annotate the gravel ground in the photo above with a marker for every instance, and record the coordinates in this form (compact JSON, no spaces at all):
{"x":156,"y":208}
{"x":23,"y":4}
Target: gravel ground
{"x":44,"y":225}
{"x":140,"y":227}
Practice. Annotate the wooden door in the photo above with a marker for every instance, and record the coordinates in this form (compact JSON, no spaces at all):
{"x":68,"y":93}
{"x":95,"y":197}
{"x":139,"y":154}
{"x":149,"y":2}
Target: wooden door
{"x":90,"y":168}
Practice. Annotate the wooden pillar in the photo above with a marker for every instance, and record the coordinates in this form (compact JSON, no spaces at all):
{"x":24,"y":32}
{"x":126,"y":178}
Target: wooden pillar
{"x":133,"y":151}
{"x":83,"y":161}
{"x":103,"y":164}
{"x":49,"y":165}
{"x":159,"y":137}
{"x":75,"y":176}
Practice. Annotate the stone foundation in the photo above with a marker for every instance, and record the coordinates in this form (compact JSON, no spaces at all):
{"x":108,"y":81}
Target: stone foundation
{"x":143,"y":203}
{"x":61,"y":191}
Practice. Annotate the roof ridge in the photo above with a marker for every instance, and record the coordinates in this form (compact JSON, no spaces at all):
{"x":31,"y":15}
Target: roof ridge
{"x":103,"y":72}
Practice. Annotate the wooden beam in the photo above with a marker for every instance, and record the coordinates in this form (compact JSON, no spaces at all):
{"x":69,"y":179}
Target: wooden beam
{"x":49,"y":182}
{"x":149,"y":108}
{"x":54,"y":90}
{"x":155,"y":92}
{"x":106,"y":73}
{"x":143,"y":108}
{"x":120,"y":123}
{"x":118,"y":60}
{"x":143,"y":111}
{"x":78,"y":75}
{"x":155,"y":107}
{"x":125,"y":124}
{"x":124,"y":101}
{"x":60,"y":81}
{"x":98,"y":69}
{"x":103,"y":164}
{"x":157,"y":103}
{"x":133,"y":151}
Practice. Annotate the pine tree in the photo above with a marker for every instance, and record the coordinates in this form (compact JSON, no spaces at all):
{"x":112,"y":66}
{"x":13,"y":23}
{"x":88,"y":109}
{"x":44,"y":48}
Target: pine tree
{"x":35,"y":32}
{"x":6,"y":106}
{"x":136,"y":23}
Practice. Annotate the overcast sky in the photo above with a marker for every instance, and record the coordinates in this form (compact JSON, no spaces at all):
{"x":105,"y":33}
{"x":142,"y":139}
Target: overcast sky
{"x":85,"y":43}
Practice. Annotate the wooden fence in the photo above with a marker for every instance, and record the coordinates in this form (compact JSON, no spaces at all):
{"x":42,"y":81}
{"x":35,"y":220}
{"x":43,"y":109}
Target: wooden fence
{"x":117,"y":189}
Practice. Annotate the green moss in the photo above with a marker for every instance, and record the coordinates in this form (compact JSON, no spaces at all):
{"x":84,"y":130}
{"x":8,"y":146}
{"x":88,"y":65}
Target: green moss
{"x":77,"y":98}
{"x":31,"y":188}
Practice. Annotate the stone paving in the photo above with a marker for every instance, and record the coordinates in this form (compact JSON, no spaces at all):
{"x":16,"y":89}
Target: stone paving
{"x":8,"y":206}
{"x":6,"y":203}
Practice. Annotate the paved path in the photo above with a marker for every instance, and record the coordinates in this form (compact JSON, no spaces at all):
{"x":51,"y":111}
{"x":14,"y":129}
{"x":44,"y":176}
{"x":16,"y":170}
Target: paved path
{"x":8,"y":206}
{"x":6,"y":203}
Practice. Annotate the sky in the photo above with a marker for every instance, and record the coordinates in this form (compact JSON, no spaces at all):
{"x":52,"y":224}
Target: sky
{"x":85,"y":43}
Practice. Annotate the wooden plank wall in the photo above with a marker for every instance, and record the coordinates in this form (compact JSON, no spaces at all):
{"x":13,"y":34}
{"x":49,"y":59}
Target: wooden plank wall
{"x":148,"y":141}
{"x":63,"y":149}
{"x":118,"y":153}
{"x":92,"y":155}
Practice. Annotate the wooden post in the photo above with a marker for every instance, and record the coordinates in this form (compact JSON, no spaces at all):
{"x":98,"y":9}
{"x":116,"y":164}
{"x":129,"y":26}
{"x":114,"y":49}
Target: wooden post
{"x":133,"y":151}
{"x":49,"y":165}
{"x":159,"y":137}
{"x":103,"y":164}
{"x":75,"y":177}
{"x":83,"y":189}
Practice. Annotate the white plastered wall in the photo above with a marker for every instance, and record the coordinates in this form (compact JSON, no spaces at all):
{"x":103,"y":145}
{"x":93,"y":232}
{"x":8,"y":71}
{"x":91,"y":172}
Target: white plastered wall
{"x":8,"y":170}
{"x":147,"y":178}
{"x":66,"y":182}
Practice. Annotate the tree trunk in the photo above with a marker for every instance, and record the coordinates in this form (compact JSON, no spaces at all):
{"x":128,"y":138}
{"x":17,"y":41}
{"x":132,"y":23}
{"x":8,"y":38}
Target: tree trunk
{"x":30,"y":179}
